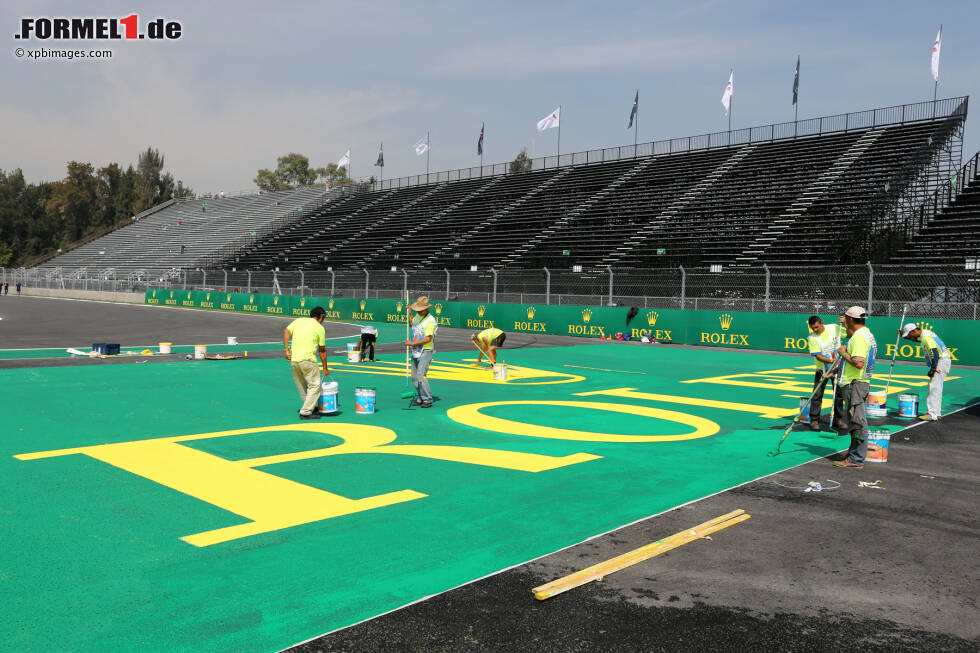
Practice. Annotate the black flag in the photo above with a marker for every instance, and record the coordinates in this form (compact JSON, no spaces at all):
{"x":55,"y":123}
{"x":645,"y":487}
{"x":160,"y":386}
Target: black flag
{"x":381,"y":157}
{"x":796,"y":80}
{"x":636,"y":106}
{"x":479,"y":143}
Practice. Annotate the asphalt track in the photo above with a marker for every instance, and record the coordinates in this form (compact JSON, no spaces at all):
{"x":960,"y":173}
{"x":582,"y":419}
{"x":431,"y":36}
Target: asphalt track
{"x":854,"y":568}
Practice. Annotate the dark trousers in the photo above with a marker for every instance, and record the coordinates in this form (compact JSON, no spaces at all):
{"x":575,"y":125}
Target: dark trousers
{"x":367,"y":342}
{"x":817,"y":402}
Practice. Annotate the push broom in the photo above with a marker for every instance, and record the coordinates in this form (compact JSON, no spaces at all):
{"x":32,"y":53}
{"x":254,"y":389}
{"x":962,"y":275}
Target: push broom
{"x":803,"y":408}
{"x":408,"y":394}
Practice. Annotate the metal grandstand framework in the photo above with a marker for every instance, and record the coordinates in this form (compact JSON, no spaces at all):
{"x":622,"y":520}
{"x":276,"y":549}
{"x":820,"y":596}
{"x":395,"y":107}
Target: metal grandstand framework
{"x":844,"y":122}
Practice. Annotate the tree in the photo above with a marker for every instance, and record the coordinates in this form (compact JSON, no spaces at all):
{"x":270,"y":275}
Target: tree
{"x":294,"y":170}
{"x":522,"y":162}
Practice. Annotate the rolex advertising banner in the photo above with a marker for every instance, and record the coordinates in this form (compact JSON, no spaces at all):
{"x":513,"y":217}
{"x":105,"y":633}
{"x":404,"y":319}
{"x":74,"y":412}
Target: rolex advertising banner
{"x":733,"y":329}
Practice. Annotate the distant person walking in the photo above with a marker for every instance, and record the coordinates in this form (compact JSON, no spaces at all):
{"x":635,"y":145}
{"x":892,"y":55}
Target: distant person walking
{"x":18,"y":287}
{"x":938,"y":360}
{"x":424,"y":329}
{"x":859,"y":362}
{"x":6,"y":287}
{"x":308,"y":342}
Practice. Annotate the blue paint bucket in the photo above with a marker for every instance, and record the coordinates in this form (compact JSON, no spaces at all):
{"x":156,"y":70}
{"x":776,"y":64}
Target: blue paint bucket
{"x":328,"y":397}
{"x":908,"y":406}
{"x":364,"y":400}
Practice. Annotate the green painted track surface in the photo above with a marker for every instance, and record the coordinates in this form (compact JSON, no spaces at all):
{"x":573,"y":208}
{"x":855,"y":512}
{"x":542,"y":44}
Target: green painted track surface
{"x":91,"y":558}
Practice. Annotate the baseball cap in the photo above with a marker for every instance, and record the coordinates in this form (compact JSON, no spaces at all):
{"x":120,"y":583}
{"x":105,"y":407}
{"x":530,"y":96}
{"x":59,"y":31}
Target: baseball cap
{"x":909,"y":328}
{"x":856,"y":311}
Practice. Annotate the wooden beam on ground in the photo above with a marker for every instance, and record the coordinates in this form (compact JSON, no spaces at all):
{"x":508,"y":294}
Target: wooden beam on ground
{"x":598,"y":571}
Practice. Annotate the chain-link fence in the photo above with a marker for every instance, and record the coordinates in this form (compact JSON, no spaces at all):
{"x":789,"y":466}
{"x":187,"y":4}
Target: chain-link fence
{"x":930,"y":291}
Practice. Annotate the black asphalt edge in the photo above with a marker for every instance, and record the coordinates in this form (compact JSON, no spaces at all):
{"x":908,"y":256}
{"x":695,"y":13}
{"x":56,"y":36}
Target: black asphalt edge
{"x":589,"y":539}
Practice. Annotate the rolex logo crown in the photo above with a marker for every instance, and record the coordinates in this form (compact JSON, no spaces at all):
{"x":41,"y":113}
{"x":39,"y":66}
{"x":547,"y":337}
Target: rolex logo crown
{"x":925,"y":325}
{"x":481,"y":309}
{"x":171,"y":294}
{"x":251,"y":299}
{"x":207,"y":297}
{"x":362,"y":304}
{"x":438,"y":309}
{"x":302,"y":302}
{"x":275,"y":301}
{"x":228,"y":297}
{"x":330,"y":304}
{"x":188,"y":294}
{"x":586,"y":314}
{"x":530,"y":312}
{"x":399,"y":306}
{"x":652,"y":317}
{"x":726,"y":320}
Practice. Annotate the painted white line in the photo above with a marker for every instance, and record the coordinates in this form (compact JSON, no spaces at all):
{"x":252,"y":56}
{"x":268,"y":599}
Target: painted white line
{"x":589,"y":539}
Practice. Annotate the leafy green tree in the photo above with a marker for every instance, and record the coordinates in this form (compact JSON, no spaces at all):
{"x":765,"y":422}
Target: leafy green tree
{"x":522,"y":162}
{"x":294,"y":170}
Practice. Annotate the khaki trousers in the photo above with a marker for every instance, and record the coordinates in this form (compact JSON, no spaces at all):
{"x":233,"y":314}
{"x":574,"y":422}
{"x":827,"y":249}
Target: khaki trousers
{"x":307,"y":377}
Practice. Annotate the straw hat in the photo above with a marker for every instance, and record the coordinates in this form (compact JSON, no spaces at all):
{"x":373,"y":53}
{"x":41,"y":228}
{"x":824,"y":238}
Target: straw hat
{"x":421,"y":304}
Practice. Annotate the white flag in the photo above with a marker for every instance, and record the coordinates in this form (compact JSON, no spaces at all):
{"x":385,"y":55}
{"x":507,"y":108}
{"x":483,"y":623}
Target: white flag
{"x":550,"y":122}
{"x":422,"y":146}
{"x":726,"y":97}
{"x":344,"y":160}
{"x":935,"y":54}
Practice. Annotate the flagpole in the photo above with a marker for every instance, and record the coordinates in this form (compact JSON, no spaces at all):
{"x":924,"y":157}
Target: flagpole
{"x":731,"y":103}
{"x":428,"y":146}
{"x":636,"y":122}
{"x":559,"y":136}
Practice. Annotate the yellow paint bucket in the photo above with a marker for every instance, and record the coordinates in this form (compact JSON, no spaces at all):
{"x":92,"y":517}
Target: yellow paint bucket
{"x":200,"y":351}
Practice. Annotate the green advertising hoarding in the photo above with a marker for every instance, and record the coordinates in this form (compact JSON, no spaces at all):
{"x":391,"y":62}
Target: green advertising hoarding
{"x":734,"y":329}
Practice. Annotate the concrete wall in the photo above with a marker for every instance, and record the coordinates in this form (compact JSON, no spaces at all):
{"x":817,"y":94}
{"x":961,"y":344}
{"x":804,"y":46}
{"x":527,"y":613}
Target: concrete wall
{"x":125,"y":297}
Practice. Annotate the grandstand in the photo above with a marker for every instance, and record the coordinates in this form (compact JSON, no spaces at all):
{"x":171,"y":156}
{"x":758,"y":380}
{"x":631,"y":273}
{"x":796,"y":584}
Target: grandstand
{"x":785,"y":194}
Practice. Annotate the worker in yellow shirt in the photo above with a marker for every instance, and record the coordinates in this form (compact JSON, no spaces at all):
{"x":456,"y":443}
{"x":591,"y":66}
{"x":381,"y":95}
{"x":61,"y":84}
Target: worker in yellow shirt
{"x":859,"y":364}
{"x":938,"y":361}
{"x":424,"y":327}
{"x":823,"y":342}
{"x":308,"y":341}
{"x":489,"y":340}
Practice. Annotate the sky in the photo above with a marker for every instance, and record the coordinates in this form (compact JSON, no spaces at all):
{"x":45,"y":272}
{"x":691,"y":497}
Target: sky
{"x":250,"y":81}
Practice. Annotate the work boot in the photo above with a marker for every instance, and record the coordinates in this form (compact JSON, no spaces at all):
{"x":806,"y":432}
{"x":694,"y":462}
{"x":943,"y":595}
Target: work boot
{"x":814,"y":426}
{"x":310,"y":416}
{"x":847,"y":464}
{"x":426,"y":404}
{"x":927,"y":418}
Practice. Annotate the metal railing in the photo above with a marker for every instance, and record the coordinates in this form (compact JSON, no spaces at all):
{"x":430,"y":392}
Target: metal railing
{"x":932,"y":291}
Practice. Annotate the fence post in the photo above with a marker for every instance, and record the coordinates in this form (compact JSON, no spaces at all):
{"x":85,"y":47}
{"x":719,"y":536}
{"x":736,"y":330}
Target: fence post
{"x":494,"y":270}
{"x":683,"y":285}
{"x":225,"y":285}
{"x":248,"y":284}
{"x":547,"y":286}
{"x":204,"y":278}
{"x":609,"y":267}
{"x":333,"y":278}
{"x":766,"y":268}
{"x":184,"y":270}
{"x":302,"y":283}
{"x":404,"y":282}
{"x":367,"y":279}
{"x":446,"y":270}
{"x":871,"y":285}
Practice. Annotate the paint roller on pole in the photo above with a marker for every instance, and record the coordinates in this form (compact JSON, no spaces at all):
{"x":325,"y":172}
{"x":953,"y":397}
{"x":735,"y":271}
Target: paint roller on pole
{"x":832,"y":434}
{"x":891,"y":369}
{"x":804,"y":407}
{"x":408,"y":394}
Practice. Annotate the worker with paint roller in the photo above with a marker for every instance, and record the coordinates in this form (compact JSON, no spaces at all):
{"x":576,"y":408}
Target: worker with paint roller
{"x":488,"y":341}
{"x":938,"y":361}
{"x":422,"y":343}
{"x":823,"y":341}
{"x":308,"y":341}
{"x":859,"y":363}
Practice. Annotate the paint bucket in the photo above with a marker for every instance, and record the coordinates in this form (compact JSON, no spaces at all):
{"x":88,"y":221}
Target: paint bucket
{"x":908,"y":406}
{"x":328,"y":397}
{"x":200,"y":351}
{"x":875,"y":406}
{"x":353,"y":353}
{"x":364,"y":399}
{"x":500,"y":372}
{"x":804,"y":410}
{"x":165,"y":347}
{"x":878,"y":440}
{"x":232,"y":340}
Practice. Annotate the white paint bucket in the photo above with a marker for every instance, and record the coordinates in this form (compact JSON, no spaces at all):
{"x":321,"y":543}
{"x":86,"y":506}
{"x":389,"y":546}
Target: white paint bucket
{"x":500,"y":372}
{"x":165,"y":347}
{"x":328,"y":397}
{"x":908,"y":406}
{"x":232,"y":340}
{"x":875,"y":406}
{"x":353,"y":353}
{"x":364,"y":400}
{"x":200,"y":351}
